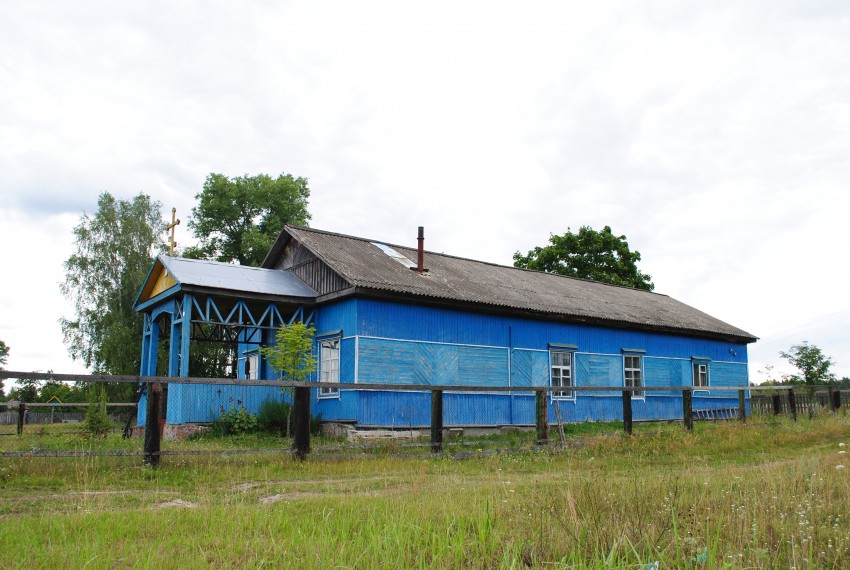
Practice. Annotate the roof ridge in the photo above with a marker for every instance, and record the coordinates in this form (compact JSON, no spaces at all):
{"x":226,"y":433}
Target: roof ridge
{"x":490,"y":263}
{"x":211,"y":261}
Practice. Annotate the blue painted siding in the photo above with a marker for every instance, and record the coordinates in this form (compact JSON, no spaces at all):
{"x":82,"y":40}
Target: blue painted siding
{"x":394,"y":409}
{"x":482,"y":366}
{"x":342,"y":408}
{"x":411,"y":322}
{"x":347,"y":354}
{"x":406,"y":344}
{"x":384,"y":361}
{"x":599,"y":370}
{"x":202,"y":403}
{"x":666,"y":372}
{"x":340,"y":315}
{"x":529,"y":368}
{"x":410,"y":410}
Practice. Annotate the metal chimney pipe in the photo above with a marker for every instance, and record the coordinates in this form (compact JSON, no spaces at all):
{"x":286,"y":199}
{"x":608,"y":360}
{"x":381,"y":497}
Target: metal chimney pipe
{"x":420,"y":258}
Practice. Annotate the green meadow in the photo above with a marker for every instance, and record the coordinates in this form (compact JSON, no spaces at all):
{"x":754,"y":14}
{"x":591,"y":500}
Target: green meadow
{"x":767,"y":494}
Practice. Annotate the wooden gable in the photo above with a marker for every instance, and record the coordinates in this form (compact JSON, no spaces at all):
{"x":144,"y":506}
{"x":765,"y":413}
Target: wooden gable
{"x":158,"y":281}
{"x":304,"y":264}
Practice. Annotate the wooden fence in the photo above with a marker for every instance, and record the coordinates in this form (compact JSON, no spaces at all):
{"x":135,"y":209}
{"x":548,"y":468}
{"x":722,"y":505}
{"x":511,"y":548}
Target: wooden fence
{"x":763,"y":400}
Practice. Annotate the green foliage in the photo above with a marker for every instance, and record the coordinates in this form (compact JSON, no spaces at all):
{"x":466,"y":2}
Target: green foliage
{"x":275,"y":416}
{"x":600,"y":256}
{"x":37,"y":391}
{"x":66,"y":393}
{"x":4,"y":356}
{"x":727,"y":495}
{"x":97,"y":423}
{"x":27,"y":390}
{"x":814,"y":367}
{"x":238,"y":219}
{"x":114,"y":250}
{"x":293,"y":356}
{"x":234,"y":421}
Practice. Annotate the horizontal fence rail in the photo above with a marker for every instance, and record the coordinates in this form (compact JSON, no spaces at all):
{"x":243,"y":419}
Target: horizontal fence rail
{"x":48,"y":376}
{"x":764,"y":400}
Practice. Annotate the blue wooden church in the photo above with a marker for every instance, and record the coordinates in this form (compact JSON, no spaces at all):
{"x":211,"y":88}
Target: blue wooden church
{"x":397,"y":315}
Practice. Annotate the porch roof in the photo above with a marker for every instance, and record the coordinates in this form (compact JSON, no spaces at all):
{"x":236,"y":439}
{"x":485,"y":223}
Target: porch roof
{"x":170,"y":274}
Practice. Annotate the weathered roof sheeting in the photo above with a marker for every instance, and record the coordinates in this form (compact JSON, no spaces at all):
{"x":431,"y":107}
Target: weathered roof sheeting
{"x":215,"y":275}
{"x":456,"y":279}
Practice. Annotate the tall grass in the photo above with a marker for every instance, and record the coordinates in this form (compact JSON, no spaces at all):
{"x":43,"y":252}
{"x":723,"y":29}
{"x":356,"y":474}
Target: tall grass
{"x":725,"y":496}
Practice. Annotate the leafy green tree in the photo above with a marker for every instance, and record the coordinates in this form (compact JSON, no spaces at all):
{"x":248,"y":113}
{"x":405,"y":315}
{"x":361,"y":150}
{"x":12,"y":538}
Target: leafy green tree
{"x":600,"y":256}
{"x":66,"y":393}
{"x":4,"y":357}
{"x":97,"y":422}
{"x":238,"y":219}
{"x":813,"y":365}
{"x":293,"y":357}
{"x":27,"y":390}
{"x":114,"y":250}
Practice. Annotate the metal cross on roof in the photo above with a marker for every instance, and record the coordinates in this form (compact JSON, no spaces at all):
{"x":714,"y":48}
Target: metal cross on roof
{"x":174,"y":223}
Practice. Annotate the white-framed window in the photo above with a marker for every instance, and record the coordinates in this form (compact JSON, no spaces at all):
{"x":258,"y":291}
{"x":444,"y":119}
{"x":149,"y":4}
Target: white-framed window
{"x":252,"y":365}
{"x":633,"y":373}
{"x":561,"y":373}
{"x":329,"y":365}
{"x":701,"y":373}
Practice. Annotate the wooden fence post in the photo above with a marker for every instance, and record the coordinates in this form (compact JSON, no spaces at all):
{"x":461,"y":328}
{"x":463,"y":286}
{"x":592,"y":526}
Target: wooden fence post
{"x":627,"y":412}
{"x":152,"y":429}
{"x":777,"y":404}
{"x":436,"y":421}
{"x":831,"y":396}
{"x":792,"y":404}
{"x":542,"y":414}
{"x":301,"y":440}
{"x":742,"y":406}
{"x":687,"y":409}
{"x":836,"y":399}
{"x":22,"y":414}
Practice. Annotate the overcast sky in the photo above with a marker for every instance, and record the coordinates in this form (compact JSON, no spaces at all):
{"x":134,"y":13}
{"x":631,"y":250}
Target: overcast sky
{"x":715,"y":136}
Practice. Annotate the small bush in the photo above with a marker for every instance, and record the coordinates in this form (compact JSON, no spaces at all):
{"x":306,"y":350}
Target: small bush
{"x":234,"y":421}
{"x":273,"y":416}
{"x":97,"y":423}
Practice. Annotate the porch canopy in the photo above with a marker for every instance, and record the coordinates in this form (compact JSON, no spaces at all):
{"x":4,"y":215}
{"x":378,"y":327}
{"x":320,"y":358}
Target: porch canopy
{"x":208,"y":300}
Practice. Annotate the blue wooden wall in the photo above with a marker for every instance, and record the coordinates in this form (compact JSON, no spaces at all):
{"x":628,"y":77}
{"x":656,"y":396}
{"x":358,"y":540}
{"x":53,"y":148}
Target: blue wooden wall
{"x":396,"y":343}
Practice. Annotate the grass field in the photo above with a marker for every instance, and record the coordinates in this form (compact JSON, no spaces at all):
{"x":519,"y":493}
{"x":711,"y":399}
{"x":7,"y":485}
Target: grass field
{"x":763,"y":495}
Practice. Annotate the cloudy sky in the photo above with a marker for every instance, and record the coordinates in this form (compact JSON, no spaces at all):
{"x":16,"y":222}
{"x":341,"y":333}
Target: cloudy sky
{"x":716,"y":136}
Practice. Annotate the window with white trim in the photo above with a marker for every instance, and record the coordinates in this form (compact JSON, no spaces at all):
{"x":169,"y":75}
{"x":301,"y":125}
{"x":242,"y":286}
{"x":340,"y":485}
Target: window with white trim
{"x":329,"y":365}
{"x":701,"y":373}
{"x":633,"y":373}
{"x":252,"y":365}
{"x":561,"y":366}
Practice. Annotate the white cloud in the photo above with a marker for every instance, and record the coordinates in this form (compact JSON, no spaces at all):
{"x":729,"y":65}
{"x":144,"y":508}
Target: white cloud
{"x":716,"y":139}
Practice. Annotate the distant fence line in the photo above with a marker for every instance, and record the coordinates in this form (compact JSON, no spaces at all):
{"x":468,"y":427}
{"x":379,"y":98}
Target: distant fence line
{"x":768,"y":399}
{"x":49,"y":376}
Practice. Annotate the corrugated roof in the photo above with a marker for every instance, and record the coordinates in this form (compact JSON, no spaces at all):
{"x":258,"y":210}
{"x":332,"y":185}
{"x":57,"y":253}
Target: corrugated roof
{"x":241,"y":278}
{"x":450,"y":278}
